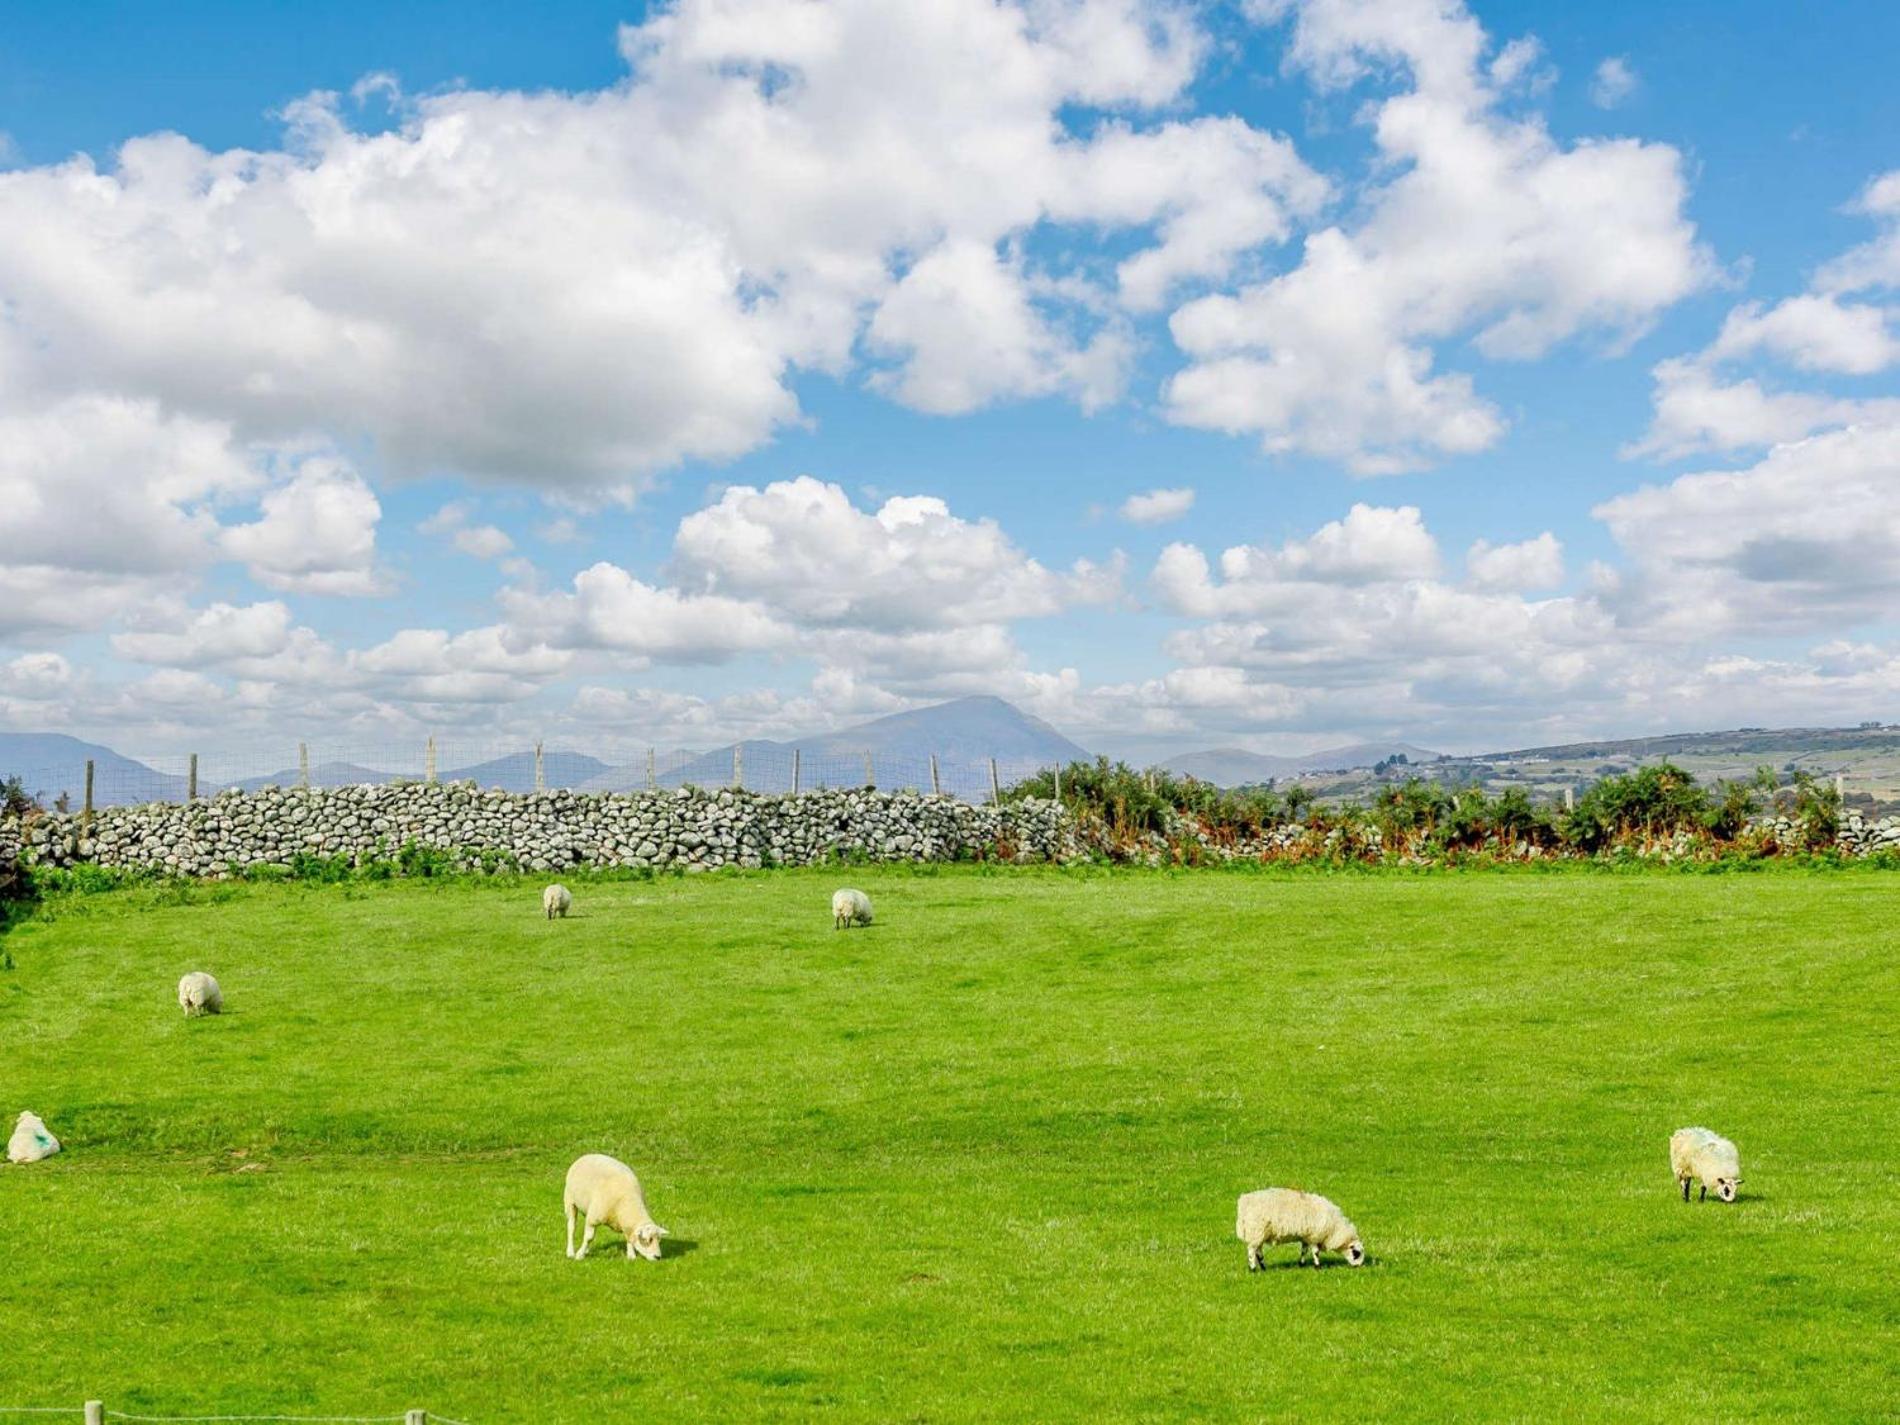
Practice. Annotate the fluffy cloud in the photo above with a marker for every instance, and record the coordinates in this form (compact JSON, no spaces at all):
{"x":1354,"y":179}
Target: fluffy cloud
{"x":1532,"y":564}
{"x":103,"y":502}
{"x":1832,"y":329}
{"x":220,"y":633}
{"x":610,"y":609}
{"x":1613,"y":82}
{"x":1808,"y":538}
{"x":1876,"y":263}
{"x":575,"y":290}
{"x":1158,"y":506}
{"x":35,"y":677}
{"x":1371,"y":545}
{"x":967,"y":333}
{"x":802,"y":547}
{"x":316,"y":533}
{"x":478,"y":541}
{"x":1814,"y":333}
{"x":1490,"y":229}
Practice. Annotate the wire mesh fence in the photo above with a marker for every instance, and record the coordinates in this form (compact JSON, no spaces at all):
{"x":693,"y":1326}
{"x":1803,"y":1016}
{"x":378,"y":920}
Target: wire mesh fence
{"x":94,"y":1412}
{"x":769,"y":767}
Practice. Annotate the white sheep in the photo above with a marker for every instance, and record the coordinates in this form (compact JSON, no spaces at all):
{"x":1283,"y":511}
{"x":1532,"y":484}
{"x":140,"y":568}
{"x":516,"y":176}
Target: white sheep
{"x":199,"y":994}
{"x":1707,"y":1157}
{"x":1276,"y":1215}
{"x":850,"y":908}
{"x":30,"y":1141}
{"x":604,"y":1190}
{"x":555,"y":900}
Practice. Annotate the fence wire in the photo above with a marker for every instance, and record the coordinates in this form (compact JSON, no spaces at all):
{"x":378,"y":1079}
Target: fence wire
{"x":80,"y":1410}
{"x":172,"y":777}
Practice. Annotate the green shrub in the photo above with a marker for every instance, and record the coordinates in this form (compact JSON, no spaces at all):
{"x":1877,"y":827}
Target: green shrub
{"x":1645,"y":806}
{"x":415,"y":859}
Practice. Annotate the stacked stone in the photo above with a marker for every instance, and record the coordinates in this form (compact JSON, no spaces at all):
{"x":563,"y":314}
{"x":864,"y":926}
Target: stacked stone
{"x":1862,"y":837}
{"x":547,"y":831}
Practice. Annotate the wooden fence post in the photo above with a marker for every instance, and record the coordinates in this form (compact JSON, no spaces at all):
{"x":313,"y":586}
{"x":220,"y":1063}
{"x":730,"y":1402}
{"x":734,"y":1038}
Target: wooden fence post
{"x":738,"y":764}
{"x":1058,"y":784}
{"x":540,"y":770}
{"x":95,"y":1412}
{"x":870,"y":779}
{"x":653,"y":781}
{"x":1570,"y":798}
{"x":85,"y":820}
{"x":996,"y":790}
{"x":303,"y":765}
{"x":794,"y":771}
{"x":936,"y":788}
{"x":1840,"y":787}
{"x":191,"y":780}
{"x":428,"y":760}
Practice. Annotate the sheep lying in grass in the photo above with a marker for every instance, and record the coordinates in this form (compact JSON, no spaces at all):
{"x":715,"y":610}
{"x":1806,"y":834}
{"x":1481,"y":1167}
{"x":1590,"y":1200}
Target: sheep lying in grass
{"x":199,"y":994}
{"x":1287,"y":1215}
{"x":30,"y":1141}
{"x":1707,"y":1157}
{"x":555,"y":900}
{"x":604,"y":1190}
{"x":850,"y":908}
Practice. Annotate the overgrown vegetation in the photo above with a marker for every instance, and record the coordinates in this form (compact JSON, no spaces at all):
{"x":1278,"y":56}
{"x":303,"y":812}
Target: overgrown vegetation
{"x":1653,"y":810}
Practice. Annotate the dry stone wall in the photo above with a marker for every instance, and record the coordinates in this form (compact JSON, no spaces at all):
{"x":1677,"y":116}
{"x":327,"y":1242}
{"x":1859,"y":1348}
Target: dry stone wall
{"x":547,"y":831}
{"x":689,"y":829}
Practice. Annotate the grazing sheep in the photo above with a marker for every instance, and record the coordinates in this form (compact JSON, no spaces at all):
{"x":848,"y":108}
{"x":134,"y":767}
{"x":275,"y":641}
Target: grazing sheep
{"x":603,"y":1189}
{"x":1288,"y":1215}
{"x":30,"y":1141}
{"x":1708,"y":1158}
{"x":199,"y":994}
{"x":555,"y":900}
{"x":850,"y":908}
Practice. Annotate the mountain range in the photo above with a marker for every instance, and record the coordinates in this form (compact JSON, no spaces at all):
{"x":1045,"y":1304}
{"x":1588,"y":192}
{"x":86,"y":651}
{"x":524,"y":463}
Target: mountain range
{"x":963,"y":735}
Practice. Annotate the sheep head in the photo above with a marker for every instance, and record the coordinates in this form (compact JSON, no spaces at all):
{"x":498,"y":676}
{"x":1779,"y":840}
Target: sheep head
{"x":1356,"y":1253}
{"x":645,"y":1241}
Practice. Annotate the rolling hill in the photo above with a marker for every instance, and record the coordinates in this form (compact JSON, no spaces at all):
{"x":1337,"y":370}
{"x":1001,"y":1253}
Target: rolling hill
{"x":1235,"y":767}
{"x":52,"y":765}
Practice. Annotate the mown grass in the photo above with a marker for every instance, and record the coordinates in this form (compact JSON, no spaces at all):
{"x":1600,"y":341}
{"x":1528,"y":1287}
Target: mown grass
{"x":977,"y":1162}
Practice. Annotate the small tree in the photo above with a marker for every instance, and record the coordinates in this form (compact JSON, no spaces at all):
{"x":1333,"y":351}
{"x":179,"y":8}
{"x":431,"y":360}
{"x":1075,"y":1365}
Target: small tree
{"x":15,"y":799}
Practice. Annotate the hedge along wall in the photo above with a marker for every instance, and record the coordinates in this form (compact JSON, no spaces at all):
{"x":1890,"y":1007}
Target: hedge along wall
{"x":545,"y":831}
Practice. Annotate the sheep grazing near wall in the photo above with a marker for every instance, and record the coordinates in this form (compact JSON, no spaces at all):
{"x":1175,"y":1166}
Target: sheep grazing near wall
{"x":1288,"y":1215}
{"x":850,"y":908}
{"x":603,"y":1190}
{"x":1704,"y":1156}
{"x":199,"y":994}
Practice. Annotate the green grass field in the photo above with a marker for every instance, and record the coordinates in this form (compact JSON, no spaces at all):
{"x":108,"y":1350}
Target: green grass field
{"x":977,"y":1162}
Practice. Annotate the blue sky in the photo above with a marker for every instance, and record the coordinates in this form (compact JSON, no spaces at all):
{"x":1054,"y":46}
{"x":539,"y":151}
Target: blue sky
{"x":1531,"y":367}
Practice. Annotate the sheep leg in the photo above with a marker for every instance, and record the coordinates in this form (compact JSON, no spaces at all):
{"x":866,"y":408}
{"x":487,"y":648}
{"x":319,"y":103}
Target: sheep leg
{"x":1704,"y":1197}
{"x":568,"y":1213}
{"x":1253,"y":1256}
{"x":587,"y":1239}
{"x":1685,"y":1189}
